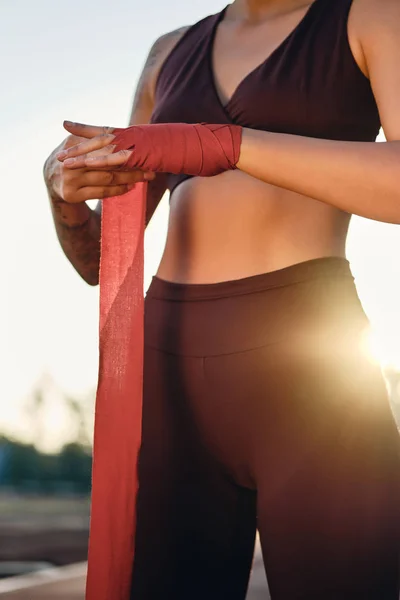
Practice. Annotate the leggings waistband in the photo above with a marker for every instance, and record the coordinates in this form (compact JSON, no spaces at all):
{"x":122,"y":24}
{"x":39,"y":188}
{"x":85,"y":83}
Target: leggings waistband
{"x":329,"y":267}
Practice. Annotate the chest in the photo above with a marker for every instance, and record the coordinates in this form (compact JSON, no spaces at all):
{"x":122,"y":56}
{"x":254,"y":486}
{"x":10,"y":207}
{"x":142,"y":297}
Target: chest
{"x":306,"y":83}
{"x":238,"y":51}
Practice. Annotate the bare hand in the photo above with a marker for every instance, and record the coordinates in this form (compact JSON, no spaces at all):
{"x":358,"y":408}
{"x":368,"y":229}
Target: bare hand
{"x":87,"y":183}
{"x":95,"y":152}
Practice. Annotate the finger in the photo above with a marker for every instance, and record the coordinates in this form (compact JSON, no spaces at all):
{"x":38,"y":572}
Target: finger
{"x":99,"y":152}
{"x":100,"y":141}
{"x":86,"y":131}
{"x":109,"y":178}
{"x":88,"y":160}
{"x":100,"y":192}
{"x":148,"y":175}
{"x":142,"y":175}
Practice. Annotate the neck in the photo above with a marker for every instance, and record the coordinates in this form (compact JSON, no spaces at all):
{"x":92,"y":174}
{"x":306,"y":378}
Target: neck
{"x":253,"y":10}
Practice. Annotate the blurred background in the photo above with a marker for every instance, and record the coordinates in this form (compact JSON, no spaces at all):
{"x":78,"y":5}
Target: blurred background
{"x":81,"y":61}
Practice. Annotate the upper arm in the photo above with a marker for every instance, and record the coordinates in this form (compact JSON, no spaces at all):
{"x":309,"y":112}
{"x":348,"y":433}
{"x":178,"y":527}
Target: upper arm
{"x":377,"y":25}
{"x":143,"y":101}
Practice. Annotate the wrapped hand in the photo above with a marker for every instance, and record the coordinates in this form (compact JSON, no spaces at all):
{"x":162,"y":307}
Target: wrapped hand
{"x":193,"y":149}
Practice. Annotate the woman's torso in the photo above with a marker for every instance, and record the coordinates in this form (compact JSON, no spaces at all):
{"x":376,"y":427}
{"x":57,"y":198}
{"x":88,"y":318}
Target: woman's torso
{"x":297,"y":73}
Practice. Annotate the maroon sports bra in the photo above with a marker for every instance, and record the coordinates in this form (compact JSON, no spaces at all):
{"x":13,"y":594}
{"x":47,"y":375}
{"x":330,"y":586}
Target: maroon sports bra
{"x":310,"y":85}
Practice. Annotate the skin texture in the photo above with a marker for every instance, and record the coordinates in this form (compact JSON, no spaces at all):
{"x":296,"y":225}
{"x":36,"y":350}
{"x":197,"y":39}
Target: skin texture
{"x":293,"y":196}
{"x":77,"y":225}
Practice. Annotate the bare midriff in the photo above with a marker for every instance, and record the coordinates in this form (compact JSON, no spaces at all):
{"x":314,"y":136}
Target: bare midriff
{"x":234,"y":226}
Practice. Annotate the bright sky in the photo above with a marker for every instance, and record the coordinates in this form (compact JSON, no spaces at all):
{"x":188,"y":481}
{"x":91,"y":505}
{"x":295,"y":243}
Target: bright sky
{"x":80,"y":61}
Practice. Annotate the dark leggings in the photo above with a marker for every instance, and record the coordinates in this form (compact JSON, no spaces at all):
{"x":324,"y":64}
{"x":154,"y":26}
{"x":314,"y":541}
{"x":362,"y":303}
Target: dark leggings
{"x":262,"y":410}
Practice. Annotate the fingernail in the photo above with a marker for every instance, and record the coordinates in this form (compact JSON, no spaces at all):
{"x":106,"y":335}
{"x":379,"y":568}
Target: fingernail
{"x":148,"y":176}
{"x":69,"y":161}
{"x":61,"y":154}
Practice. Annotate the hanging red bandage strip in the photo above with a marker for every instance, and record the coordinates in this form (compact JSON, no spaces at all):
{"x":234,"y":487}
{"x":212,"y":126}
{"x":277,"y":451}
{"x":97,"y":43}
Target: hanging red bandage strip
{"x":118,"y":413}
{"x":198,"y":149}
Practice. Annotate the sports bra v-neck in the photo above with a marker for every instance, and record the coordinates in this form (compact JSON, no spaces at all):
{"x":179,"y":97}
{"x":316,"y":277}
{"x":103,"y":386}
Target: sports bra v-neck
{"x":309,"y":85}
{"x":252,"y":72}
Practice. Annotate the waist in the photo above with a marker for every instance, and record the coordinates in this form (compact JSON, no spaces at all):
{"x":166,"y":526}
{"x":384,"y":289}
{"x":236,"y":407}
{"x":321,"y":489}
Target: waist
{"x":233,"y":225}
{"x":301,"y":305}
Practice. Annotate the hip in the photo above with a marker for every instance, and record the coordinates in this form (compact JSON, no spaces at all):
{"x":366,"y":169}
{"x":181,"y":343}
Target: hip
{"x":268,"y":366}
{"x":309,"y":301}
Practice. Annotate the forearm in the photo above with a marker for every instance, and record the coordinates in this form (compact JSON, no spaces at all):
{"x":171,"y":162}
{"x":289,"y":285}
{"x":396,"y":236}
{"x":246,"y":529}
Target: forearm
{"x":356,"y":177}
{"x":360,"y":178}
{"x":78,"y":231}
{"x":78,"y":228}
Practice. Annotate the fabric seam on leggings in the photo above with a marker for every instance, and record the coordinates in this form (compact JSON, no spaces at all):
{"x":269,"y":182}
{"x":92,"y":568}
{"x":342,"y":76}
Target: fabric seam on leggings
{"x":167,"y":298}
{"x":290,"y":339}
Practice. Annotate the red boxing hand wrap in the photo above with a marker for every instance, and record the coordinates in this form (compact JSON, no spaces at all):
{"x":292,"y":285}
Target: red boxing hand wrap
{"x":191,"y":149}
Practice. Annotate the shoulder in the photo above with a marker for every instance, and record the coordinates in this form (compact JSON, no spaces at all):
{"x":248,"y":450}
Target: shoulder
{"x":166,"y":41}
{"x":143,"y":101}
{"x":163,"y":46}
{"x":373,"y":25}
{"x":367,"y":14}
{"x":158,"y":53}
{"x":376,"y":24}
